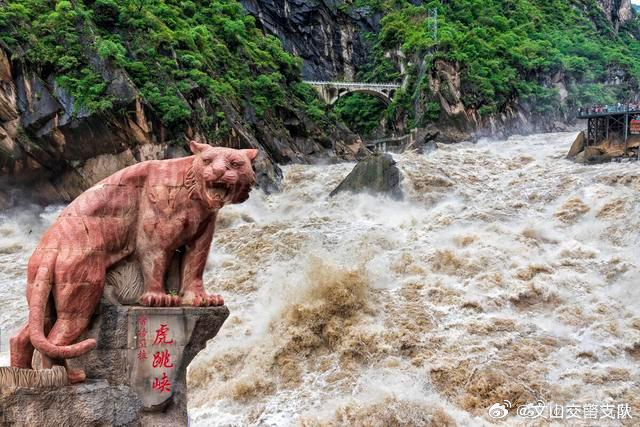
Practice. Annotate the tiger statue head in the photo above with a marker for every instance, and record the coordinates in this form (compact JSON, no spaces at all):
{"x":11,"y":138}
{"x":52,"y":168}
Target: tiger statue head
{"x":220,"y":175}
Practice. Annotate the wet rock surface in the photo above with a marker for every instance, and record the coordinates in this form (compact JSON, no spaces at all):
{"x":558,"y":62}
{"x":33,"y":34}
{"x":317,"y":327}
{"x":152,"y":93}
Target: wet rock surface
{"x":425,"y":144}
{"x":377,"y":173}
{"x":577,"y":146}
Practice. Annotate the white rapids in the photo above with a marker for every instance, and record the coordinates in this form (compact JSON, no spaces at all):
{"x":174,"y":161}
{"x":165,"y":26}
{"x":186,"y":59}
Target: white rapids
{"x":507,"y":273}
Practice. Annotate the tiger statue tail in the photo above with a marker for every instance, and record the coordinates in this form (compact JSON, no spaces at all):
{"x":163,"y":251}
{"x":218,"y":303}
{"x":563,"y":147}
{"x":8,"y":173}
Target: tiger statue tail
{"x":39,"y":297}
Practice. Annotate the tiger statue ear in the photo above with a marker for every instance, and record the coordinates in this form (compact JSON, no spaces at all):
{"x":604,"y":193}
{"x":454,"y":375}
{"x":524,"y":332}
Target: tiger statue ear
{"x":197,"y":148}
{"x":251,"y":153}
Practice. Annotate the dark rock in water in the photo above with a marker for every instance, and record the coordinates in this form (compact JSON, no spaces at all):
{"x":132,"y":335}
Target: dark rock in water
{"x":377,"y":173}
{"x":429,"y":147}
{"x":424,"y":144}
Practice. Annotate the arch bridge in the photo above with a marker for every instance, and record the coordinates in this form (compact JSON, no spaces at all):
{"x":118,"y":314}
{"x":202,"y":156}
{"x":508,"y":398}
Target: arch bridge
{"x":332,"y":91}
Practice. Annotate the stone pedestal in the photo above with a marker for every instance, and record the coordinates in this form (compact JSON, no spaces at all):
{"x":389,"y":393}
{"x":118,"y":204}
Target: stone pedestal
{"x":136,"y":375}
{"x":93,"y":403}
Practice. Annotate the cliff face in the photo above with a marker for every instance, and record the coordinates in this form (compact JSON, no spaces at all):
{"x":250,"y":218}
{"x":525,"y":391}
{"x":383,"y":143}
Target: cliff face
{"x":51,"y":150}
{"x":459,"y":122}
{"x":329,"y":38}
{"x":618,"y":12}
{"x":87,"y":88}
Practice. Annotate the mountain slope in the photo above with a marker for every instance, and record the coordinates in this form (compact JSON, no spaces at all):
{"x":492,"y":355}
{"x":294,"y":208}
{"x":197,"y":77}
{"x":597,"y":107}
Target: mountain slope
{"x":496,"y":66}
{"x":544,"y":57}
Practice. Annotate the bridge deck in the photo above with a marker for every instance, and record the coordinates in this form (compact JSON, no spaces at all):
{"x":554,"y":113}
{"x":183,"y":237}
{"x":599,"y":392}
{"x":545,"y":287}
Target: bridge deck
{"x":354,"y":84}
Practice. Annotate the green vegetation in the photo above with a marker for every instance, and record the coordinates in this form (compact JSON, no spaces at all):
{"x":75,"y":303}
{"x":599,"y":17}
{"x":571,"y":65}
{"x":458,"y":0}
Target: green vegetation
{"x":174,"y":51}
{"x":507,"y":50}
{"x":177,"y":51}
{"x":362,"y":112}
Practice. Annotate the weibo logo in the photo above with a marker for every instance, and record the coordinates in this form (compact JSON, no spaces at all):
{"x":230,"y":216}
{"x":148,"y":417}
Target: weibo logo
{"x":498,"y":411}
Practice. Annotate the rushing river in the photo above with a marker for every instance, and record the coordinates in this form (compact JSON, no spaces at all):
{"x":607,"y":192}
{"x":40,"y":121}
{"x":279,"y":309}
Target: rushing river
{"x":507,"y":272}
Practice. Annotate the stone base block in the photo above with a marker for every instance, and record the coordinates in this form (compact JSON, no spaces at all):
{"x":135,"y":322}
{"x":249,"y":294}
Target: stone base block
{"x":136,"y":375}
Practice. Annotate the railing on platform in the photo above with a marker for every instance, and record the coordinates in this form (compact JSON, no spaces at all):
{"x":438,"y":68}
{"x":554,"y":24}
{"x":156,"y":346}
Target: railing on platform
{"x":607,"y":111}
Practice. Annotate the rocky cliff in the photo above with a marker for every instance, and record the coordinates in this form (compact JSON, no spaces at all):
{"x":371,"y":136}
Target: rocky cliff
{"x":87,"y":88}
{"x":460,"y":122}
{"x":331,"y":35}
{"x":552,"y":111}
{"x":144,"y":103}
{"x":51,"y":150}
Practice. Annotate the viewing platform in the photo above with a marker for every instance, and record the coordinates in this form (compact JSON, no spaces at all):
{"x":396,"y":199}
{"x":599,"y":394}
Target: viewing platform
{"x":613,"y":134}
{"x":617,"y":122}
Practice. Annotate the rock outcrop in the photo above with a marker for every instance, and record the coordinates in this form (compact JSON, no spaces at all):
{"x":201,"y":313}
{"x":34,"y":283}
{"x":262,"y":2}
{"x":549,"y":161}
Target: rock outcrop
{"x":376,"y":174}
{"x":577,"y":146}
{"x":612,"y":148}
{"x":459,"y":122}
{"x":619,"y":12}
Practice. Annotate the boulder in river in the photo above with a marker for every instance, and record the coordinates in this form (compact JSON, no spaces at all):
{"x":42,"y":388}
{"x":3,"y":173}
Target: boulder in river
{"x":377,"y":173}
{"x":593,"y":155}
{"x":578,"y":146}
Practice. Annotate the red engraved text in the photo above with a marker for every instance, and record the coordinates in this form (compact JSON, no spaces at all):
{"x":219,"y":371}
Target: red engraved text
{"x":162,"y":385}
{"x":162,"y":359}
{"x":162,"y":335}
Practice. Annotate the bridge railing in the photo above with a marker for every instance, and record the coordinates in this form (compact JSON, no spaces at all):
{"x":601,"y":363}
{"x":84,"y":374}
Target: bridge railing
{"x":353,"y":84}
